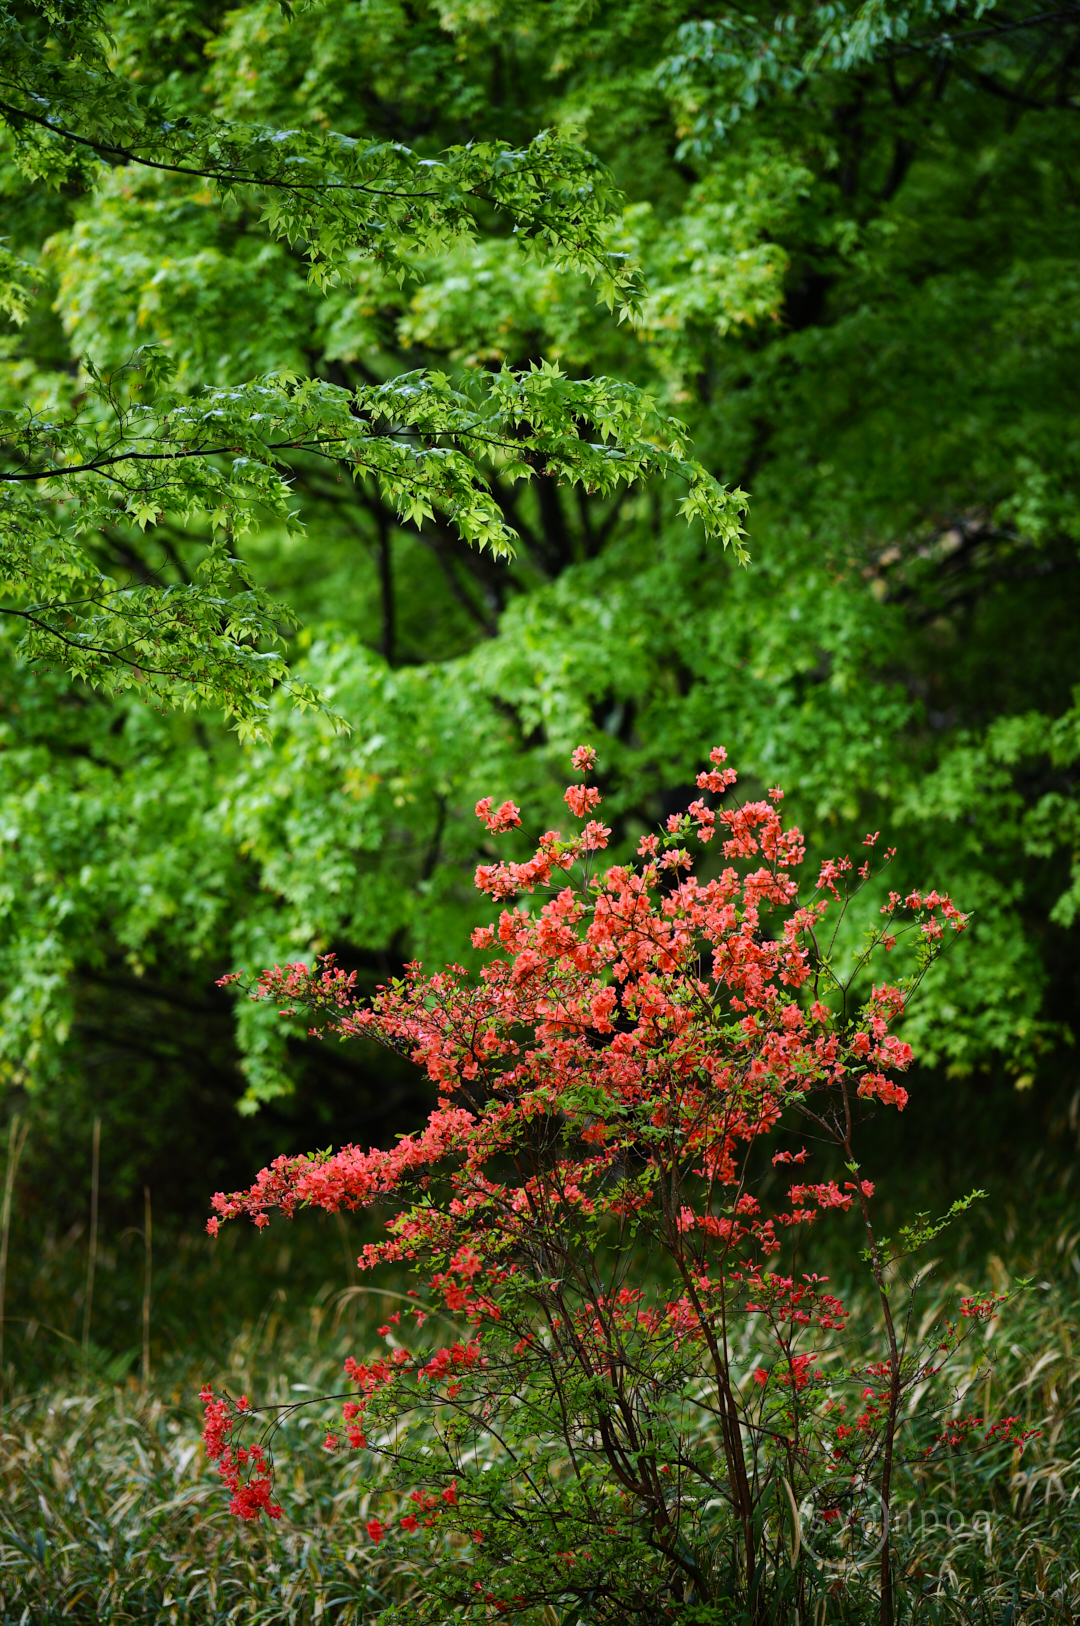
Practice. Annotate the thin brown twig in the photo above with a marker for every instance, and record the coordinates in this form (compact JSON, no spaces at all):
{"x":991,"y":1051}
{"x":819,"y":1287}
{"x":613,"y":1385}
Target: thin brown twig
{"x":16,"y":1141}
{"x":91,"y":1257}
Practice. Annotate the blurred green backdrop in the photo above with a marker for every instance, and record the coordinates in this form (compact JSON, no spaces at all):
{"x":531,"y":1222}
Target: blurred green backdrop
{"x":860,"y":243}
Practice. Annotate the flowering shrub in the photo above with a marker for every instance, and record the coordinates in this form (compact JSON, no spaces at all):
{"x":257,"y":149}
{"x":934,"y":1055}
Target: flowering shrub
{"x":644,"y":1403}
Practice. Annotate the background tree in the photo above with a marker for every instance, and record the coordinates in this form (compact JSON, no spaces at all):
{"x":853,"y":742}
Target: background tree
{"x":858,"y":245}
{"x":104,"y":459}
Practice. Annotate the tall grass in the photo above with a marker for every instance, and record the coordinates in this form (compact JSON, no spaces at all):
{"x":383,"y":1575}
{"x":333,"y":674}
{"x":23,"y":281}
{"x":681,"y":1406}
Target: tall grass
{"x":109,"y":1512}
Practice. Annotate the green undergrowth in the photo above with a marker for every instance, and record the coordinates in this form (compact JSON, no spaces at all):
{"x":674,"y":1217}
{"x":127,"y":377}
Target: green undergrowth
{"x":109,"y":1510}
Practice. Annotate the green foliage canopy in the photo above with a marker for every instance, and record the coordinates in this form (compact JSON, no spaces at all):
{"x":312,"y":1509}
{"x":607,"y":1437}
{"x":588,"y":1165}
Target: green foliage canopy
{"x":110,"y":459}
{"x":856,"y":229}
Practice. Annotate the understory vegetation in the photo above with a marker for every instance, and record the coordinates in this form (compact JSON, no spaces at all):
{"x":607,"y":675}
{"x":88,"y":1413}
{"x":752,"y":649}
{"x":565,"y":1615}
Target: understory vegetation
{"x":111,"y":1511}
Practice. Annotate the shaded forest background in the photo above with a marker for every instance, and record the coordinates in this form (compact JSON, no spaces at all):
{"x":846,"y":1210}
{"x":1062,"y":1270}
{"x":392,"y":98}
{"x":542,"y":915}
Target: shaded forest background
{"x":863,"y":299}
